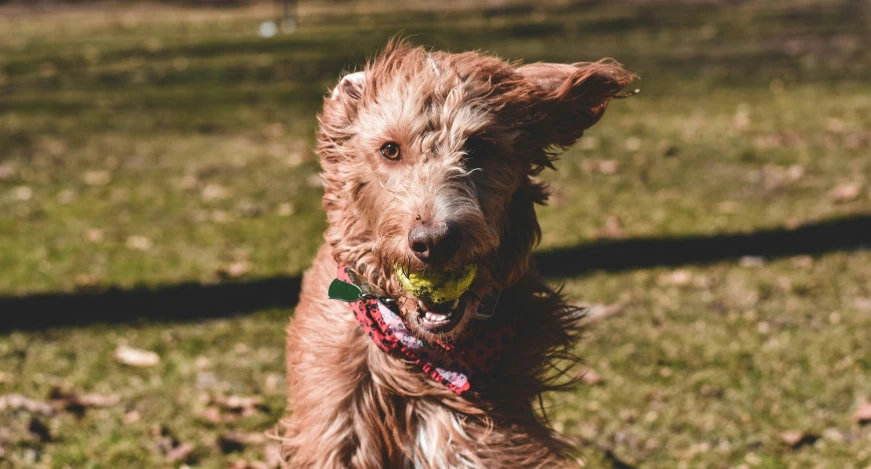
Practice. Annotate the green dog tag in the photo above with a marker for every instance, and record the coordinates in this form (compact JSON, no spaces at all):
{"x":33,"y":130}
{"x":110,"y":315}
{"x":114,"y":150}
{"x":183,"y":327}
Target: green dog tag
{"x":344,"y":291}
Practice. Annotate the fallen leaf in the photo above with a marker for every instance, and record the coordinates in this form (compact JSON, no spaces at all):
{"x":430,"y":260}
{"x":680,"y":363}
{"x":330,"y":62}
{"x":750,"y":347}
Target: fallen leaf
{"x":752,"y":261}
{"x":589,"y":143}
{"x":187,"y":182}
{"x":95,"y":235}
{"x":132,"y":417}
{"x":6,"y":173}
{"x":240,"y":404}
{"x":600,"y":166}
{"x":136,"y":357}
{"x":833,"y":434}
{"x":22,"y":193}
{"x":590,"y":377}
{"x":613,"y":228}
{"x":272,"y":384}
{"x":274,"y":130}
{"x":77,"y":403}
{"x":207,"y":380}
{"x":557,"y":196}
{"x":139,"y":243}
{"x":667,"y":148}
{"x":66,"y":196}
{"x":213,"y":414}
{"x":249,"y":209}
{"x":47,"y":70}
{"x":218,"y":216}
{"x":678,"y":277}
{"x":863,"y":413}
{"x":742,"y":118}
{"x":836,"y":125}
{"x":97,"y":178}
{"x":215,"y":192}
{"x":5,"y":438}
{"x":233,"y":269}
{"x":797,"y":439}
{"x":85,"y":280}
{"x":173,"y":449}
{"x":600,"y":312}
{"x":52,"y":146}
{"x":846,"y":192}
{"x":237,"y":441}
{"x":285,"y":209}
{"x":776,"y":176}
{"x":668,"y":194}
{"x":628,"y":415}
{"x":180,"y":453}
{"x":854,"y":141}
{"x":803,"y":261}
{"x":19,"y":402}
{"x":294,"y":158}
{"x":314,"y":180}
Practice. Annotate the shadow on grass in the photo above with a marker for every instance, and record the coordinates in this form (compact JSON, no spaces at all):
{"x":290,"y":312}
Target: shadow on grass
{"x":181,"y":302}
{"x":839,"y":234}
{"x":194,"y":301}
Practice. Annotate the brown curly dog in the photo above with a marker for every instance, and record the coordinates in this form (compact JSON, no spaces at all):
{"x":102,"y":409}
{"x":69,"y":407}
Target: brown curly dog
{"x":430,"y":162}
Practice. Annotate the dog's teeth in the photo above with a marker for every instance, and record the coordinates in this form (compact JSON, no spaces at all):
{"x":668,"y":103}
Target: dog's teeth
{"x":455,"y":304}
{"x":436,"y":317}
{"x":420,"y":303}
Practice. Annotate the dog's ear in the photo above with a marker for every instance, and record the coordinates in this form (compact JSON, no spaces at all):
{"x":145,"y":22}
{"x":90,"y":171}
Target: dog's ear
{"x":339,"y":113}
{"x":569,"y":99}
{"x":350,"y":87}
{"x":340,"y":109}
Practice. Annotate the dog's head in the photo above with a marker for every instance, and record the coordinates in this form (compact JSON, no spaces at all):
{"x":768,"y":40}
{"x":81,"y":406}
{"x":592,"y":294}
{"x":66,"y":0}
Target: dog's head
{"x":429,"y":161}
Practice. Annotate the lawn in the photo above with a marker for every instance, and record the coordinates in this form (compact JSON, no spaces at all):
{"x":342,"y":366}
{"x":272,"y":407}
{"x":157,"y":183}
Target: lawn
{"x":158,"y":191}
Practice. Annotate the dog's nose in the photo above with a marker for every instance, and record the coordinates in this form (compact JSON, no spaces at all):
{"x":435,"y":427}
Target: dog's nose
{"x":434,"y":243}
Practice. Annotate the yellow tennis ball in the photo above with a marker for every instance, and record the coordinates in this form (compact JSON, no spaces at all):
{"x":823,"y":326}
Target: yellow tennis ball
{"x":437,"y":287}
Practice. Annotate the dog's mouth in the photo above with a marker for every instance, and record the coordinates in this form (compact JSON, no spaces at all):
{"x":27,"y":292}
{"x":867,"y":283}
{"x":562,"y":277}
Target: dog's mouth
{"x":435,"y":302}
{"x":442,"y":318}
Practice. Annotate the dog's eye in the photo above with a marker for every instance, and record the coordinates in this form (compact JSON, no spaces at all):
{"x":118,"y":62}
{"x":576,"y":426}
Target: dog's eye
{"x":390,"y":150}
{"x":475,"y":149}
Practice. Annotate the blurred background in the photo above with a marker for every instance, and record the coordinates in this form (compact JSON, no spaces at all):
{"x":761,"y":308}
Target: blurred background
{"x":159,"y":200}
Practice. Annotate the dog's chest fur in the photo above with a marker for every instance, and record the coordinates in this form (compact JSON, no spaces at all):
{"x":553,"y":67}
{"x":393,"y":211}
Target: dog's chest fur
{"x":443,"y":425}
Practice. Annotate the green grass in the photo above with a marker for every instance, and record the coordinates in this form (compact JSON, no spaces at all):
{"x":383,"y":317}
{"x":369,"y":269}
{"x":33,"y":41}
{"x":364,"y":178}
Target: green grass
{"x":148,"y":146}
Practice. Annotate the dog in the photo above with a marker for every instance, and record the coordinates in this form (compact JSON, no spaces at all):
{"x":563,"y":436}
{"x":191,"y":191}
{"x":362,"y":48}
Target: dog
{"x":429,"y":165}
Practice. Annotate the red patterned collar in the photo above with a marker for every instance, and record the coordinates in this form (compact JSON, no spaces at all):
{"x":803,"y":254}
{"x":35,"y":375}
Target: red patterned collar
{"x":451,"y":364}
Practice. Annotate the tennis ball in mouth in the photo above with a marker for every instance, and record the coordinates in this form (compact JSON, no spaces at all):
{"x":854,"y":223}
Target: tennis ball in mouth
{"x":437,"y":287}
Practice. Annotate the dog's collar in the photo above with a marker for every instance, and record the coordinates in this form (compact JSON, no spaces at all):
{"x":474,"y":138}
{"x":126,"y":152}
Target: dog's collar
{"x":358,"y":289}
{"x":451,"y":364}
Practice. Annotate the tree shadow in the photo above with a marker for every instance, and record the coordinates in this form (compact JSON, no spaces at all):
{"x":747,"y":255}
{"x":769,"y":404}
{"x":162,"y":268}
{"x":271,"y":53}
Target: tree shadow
{"x":195,"y":301}
{"x":188,"y":301}
{"x":837,"y":234}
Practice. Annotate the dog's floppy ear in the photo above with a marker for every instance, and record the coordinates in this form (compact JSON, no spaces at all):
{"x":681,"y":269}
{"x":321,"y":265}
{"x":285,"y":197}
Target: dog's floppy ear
{"x":569,"y":99}
{"x":349,"y":87}
{"x":339,"y":113}
{"x":341,"y":107}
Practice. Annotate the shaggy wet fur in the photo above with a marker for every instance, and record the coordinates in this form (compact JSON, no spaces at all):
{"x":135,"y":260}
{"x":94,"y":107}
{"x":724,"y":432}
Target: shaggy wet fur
{"x":474,"y":131}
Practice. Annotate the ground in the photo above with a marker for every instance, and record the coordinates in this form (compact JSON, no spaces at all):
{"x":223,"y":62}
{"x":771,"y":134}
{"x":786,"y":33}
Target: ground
{"x":158,"y":190}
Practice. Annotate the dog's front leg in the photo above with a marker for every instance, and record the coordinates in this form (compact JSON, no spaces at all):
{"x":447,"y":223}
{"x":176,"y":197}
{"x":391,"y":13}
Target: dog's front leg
{"x":324,"y":429}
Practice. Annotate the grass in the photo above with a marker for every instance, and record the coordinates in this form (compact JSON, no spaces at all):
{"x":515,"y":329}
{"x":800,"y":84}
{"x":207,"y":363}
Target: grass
{"x":144,"y":146}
